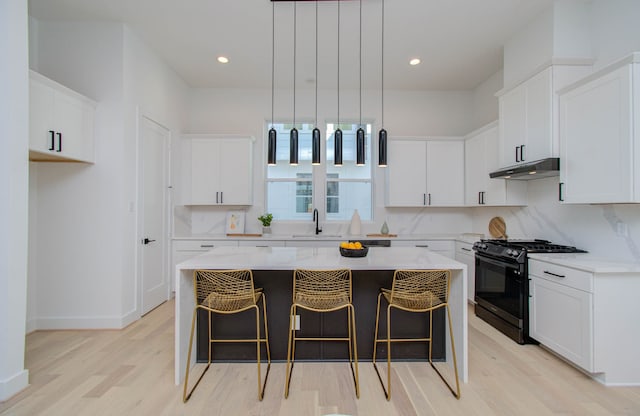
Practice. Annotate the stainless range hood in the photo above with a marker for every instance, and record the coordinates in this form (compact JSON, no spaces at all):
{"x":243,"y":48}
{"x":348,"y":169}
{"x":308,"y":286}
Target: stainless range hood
{"x":538,"y":169}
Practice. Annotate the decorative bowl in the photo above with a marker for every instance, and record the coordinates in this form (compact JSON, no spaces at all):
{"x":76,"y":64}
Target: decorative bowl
{"x":347,"y":252}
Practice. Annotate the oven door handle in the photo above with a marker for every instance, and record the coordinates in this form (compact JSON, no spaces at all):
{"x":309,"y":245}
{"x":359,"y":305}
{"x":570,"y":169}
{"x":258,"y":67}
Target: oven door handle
{"x":498,"y":262}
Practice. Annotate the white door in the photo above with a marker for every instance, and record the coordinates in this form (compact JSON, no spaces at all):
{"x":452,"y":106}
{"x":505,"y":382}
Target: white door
{"x":154,"y":145}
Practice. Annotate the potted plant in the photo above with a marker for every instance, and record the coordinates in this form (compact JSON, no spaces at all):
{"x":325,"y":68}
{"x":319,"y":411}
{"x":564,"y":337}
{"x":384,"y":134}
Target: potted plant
{"x":266,"y":219}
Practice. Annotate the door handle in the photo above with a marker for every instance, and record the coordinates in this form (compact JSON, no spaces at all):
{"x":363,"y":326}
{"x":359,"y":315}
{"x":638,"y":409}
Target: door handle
{"x":147,"y":241}
{"x":59,"y":142}
{"x":53,"y":140}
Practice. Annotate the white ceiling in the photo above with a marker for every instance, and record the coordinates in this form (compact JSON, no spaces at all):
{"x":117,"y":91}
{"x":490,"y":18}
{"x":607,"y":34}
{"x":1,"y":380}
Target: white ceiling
{"x":459,"y":41}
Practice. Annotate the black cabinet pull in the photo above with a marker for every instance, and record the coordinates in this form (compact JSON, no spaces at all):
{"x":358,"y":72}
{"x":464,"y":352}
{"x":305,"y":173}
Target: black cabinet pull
{"x":59,"y":142}
{"x":429,"y":199}
{"x":424,"y":199}
{"x":221,"y":197}
{"x":217,"y":198}
{"x":465,"y":249}
{"x":479,"y":198}
{"x":482,"y":198}
{"x":52,"y":147}
{"x":560,"y":197}
{"x":517,"y":157}
{"x":554,"y":274}
{"x":522,"y":153}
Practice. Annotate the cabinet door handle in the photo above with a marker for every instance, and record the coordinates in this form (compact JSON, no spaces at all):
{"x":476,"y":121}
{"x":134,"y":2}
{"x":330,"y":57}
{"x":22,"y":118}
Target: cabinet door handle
{"x":517,"y":157}
{"x":422,"y":245}
{"x":217,"y":198}
{"x":522,"y":153}
{"x":424,"y":199}
{"x":59,"y":142}
{"x":560,"y":197}
{"x":465,"y":249}
{"x":429,"y":199}
{"x":479,"y":198}
{"x":482,"y":200}
{"x":556,"y":275}
{"x":53,"y":146}
{"x":221,"y":197}
{"x":206,"y":245}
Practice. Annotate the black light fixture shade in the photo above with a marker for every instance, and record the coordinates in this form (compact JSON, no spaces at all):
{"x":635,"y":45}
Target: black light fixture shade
{"x":293,"y":146}
{"x":337,"y":148}
{"x":360,"y":147}
{"x":382,"y":148}
{"x":271,"y":151}
{"x":315,"y":146}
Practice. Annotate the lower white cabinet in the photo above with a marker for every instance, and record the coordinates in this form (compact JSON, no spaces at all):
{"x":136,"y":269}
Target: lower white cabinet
{"x":590,"y":318}
{"x":444,"y":247}
{"x":185,"y":249}
{"x":60,"y":122}
{"x":465,"y":254}
{"x":561,"y":311}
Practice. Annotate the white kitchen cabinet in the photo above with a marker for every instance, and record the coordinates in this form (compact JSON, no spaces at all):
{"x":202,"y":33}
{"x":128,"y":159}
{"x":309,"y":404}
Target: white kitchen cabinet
{"x":219,"y":170}
{"x":600,"y":136}
{"x":60,"y":122}
{"x":481,"y":158}
{"x":444,"y":247}
{"x":185,"y":249}
{"x":425,"y":173}
{"x":561,"y":311}
{"x":465,"y":254}
{"x":528,"y":115}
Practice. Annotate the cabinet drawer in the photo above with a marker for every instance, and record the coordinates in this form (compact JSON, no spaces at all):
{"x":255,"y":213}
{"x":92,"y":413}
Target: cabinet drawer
{"x":465,"y":249}
{"x":200,"y":245}
{"x":576,"y":279}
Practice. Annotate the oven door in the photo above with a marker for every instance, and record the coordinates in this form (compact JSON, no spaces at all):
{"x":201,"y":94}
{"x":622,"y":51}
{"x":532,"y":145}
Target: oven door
{"x":500,"y":288}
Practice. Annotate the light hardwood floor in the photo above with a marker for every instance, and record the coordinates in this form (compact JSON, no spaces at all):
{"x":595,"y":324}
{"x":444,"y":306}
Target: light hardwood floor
{"x":130,"y":372}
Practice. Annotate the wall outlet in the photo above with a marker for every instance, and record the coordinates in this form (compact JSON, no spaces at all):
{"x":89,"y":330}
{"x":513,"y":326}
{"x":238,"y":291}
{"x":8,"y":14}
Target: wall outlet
{"x":296,"y":323}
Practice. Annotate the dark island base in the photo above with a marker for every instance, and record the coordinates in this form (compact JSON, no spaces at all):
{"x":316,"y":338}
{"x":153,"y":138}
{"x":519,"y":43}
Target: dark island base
{"x":277,"y":286}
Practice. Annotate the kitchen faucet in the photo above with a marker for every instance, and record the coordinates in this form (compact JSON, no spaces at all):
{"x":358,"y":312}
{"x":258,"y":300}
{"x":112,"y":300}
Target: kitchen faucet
{"x":316,"y":218}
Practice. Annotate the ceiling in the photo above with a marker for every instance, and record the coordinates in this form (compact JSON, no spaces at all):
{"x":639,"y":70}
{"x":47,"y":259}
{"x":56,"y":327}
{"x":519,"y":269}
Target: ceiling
{"x":459,"y":41}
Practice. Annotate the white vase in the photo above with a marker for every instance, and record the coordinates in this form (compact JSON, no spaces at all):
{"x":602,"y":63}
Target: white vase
{"x":356,"y":224}
{"x":266,"y":230}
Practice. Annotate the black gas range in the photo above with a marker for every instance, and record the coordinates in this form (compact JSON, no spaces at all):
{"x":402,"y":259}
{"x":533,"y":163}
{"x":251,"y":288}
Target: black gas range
{"x":502,"y":283}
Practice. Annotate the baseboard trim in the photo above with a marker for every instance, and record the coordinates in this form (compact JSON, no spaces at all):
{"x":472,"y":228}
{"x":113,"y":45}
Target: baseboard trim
{"x":14,"y":385}
{"x":53,"y":323}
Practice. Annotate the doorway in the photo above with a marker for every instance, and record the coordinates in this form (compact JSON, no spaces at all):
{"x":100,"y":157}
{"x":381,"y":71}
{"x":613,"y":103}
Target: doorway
{"x":153,"y":213}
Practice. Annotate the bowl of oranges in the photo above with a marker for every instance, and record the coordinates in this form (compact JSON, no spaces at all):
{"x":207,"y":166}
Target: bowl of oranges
{"x":353,"y":249}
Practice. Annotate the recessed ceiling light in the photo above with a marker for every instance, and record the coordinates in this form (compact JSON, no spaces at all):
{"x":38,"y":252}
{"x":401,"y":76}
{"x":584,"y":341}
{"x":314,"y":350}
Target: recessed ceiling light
{"x":414,"y":61}
{"x":223,"y":59}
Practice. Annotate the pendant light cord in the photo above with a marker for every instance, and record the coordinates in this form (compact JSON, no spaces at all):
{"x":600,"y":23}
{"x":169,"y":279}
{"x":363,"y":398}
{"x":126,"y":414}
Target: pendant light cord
{"x":360,"y":62}
{"x":316,"y":64}
{"x":294,"y":62}
{"x":382,"y":67}
{"x":338,"y":89}
{"x":273,"y":55}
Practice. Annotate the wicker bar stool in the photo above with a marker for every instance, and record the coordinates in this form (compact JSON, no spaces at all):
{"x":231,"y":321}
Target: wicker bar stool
{"x":228,"y":292}
{"x":322,"y":291}
{"x":416,"y":291}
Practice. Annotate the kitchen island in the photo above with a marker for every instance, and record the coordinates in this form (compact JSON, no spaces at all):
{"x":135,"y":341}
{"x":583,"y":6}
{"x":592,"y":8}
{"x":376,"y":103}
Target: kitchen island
{"x":286,"y":259}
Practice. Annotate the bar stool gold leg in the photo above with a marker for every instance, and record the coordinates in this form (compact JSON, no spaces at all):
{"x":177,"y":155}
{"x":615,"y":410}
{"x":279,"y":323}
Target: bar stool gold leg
{"x":290,"y":347}
{"x":186,"y":396}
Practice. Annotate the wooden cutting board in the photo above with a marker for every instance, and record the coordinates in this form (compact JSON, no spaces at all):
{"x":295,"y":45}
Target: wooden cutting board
{"x":497,"y":227}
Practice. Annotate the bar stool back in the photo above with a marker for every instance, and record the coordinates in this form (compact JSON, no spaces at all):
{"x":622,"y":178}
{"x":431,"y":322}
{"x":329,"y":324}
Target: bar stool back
{"x":416,"y":291}
{"x":227,"y":292}
{"x":322,"y":291}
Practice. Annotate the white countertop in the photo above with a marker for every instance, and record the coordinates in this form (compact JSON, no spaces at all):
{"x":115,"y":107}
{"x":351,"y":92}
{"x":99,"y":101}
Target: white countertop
{"x":587,"y":262}
{"x":467,"y":237}
{"x":289,"y":258}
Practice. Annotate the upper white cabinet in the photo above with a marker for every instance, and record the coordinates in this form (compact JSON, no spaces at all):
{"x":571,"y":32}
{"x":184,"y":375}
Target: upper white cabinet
{"x":219,"y":170}
{"x":528,"y":115}
{"x":60,"y":122}
{"x":481,"y":157}
{"x":425,"y":173}
{"x":600,"y":137}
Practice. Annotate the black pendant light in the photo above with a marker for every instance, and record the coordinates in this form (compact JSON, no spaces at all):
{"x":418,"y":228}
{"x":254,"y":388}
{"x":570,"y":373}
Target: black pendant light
{"x":382,"y":134}
{"x":271,"y":153}
{"x":360,"y":139}
{"x":315,"y":134}
{"x":337,"y":135}
{"x":293,"y":135}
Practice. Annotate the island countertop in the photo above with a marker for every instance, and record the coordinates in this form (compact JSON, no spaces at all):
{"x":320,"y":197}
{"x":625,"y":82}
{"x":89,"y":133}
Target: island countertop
{"x":290,"y":258}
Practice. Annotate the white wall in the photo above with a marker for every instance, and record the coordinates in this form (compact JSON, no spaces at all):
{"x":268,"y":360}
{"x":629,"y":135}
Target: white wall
{"x":14,"y":133}
{"x":85,"y":216}
{"x":615,"y":29}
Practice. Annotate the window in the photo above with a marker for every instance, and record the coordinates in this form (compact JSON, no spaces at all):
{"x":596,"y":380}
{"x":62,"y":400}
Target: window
{"x":294,"y":191}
